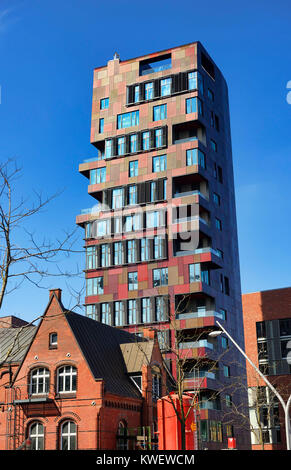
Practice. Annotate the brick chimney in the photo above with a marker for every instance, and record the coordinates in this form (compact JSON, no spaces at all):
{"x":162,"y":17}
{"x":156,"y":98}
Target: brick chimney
{"x":57,"y":292}
{"x":11,"y":322}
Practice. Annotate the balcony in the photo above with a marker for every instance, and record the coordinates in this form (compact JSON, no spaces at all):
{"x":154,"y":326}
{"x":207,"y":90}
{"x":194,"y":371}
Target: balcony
{"x":188,"y":131}
{"x":201,"y":313}
{"x":203,"y":343}
{"x":200,"y":380}
{"x":190,"y":185}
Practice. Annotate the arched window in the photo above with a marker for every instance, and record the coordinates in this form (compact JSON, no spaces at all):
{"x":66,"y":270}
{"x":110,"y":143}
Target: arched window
{"x":122,"y":436}
{"x":68,"y":436}
{"x":39,"y":381}
{"x":36,"y":435}
{"x":67,"y":379}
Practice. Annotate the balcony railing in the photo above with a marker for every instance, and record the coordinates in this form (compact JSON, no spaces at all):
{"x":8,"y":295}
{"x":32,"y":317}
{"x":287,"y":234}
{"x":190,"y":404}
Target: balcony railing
{"x":194,"y":375}
{"x":190,"y":219}
{"x":190,"y":193}
{"x":200,"y":314}
{"x":203,"y":343}
{"x":91,"y":210}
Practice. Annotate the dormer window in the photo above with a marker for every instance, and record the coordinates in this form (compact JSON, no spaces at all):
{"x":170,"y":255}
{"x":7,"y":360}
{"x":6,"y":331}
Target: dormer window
{"x":137,"y":379}
{"x":53,"y":340}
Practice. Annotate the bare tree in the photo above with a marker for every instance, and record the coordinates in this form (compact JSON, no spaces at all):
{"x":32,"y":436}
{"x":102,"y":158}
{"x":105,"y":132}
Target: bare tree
{"x":261,"y":413}
{"x":34,"y":258}
{"x":187,"y":366}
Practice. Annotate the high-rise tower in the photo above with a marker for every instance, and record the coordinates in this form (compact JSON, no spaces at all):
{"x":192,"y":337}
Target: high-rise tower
{"x":161,"y":238}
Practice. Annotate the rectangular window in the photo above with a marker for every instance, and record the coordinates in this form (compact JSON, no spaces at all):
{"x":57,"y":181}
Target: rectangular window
{"x":155,"y":65}
{"x":127,"y":119}
{"x":133,"y":143}
{"x":154,"y":219}
{"x":98,"y":175}
{"x":118,"y":313}
{"x":192,"y":81}
{"x":195,"y":157}
{"x":159,"y":163}
{"x":132,"y":223}
{"x":154,"y":191}
{"x":226,"y":371}
{"x":105,"y":314}
{"x":158,"y":247}
{"x":104,"y":103}
{"x":216,"y":199}
{"x":133,"y":168}
{"x":101,"y":126}
{"x":136,"y":94}
{"x":108,"y":148}
{"x":144,"y":249}
{"x":105,"y":255}
{"x":149,"y":91}
{"x":158,"y":138}
{"x":194,"y":105}
{"x":94,"y":286}
{"x":224,"y":342}
{"x":91,"y":311}
{"x":166,"y":85}
{"x":198,"y":274}
{"x":132,"y":311}
{"x":91,"y":257}
{"x":121,"y":146}
{"x":118,"y":253}
{"x":160,"y":277}
{"x":223,"y":313}
{"x":205,"y":276}
{"x":161,"y":309}
{"x":146,"y":310}
{"x":132,"y":281}
{"x":218,"y":224}
{"x":88,"y":230}
{"x":131,"y":251}
{"x":146,"y":140}
{"x":204,"y":430}
{"x":160,"y":112}
{"x":132,"y":195}
{"x":213,"y":145}
{"x":117,"y":198}
{"x":195,"y":81}
{"x":102,"y":227}
{"x":117,"y":225}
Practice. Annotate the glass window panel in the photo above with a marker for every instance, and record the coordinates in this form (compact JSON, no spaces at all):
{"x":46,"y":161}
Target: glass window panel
{"x":166,"y":86}
{"x":149,"y":91}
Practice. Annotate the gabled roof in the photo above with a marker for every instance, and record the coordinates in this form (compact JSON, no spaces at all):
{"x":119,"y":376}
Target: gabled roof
{"x":14,"y":342}
{"x":102,"y":347}
{"x":106,"y":350}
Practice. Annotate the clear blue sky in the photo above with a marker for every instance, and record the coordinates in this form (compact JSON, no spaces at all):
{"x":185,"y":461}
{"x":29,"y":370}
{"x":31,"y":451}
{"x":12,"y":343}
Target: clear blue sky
{"x":48,"y":51}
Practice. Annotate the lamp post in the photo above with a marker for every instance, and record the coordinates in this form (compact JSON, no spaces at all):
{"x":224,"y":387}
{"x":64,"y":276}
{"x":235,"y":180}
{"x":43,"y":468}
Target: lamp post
{"x":285,"y":406}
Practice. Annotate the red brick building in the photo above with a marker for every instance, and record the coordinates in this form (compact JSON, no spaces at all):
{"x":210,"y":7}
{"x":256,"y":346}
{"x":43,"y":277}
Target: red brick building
{"x":267,"y":326}
{"x":81,"y":385}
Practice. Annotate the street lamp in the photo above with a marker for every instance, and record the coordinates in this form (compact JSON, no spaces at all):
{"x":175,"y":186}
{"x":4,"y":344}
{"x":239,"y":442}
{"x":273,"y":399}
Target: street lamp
{"x":286,"y":406}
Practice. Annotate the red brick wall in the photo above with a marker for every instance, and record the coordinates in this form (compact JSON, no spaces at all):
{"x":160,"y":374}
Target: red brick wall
{"x":96,"y":414}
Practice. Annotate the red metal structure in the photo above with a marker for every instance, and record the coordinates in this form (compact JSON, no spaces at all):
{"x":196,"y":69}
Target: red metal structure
{"x":169,"y":426}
